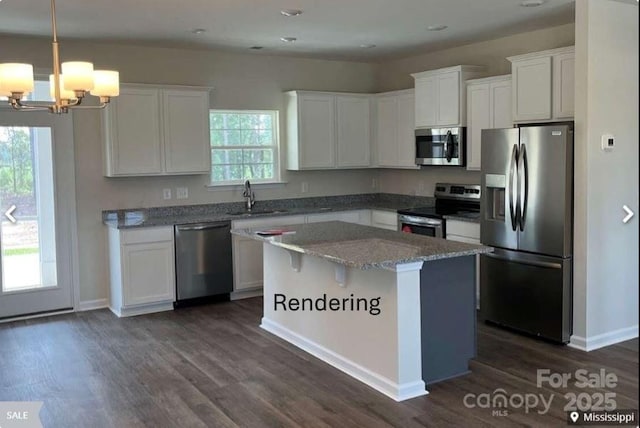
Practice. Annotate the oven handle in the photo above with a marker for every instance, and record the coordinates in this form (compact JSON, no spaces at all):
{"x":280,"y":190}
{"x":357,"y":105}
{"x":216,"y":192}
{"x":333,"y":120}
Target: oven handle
{"x":419,"y":221}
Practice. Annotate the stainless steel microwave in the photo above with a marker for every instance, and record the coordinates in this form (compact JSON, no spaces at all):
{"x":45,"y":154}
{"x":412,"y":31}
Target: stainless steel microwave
{"x":441,"y":146}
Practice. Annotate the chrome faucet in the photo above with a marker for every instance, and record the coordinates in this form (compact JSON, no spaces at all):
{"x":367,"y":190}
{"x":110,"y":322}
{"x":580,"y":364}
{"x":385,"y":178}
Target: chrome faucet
{"x":251,"y":197}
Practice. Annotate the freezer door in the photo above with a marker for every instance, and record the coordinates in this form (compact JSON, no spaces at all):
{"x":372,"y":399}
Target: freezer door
{"x":528,"y":293}
{"x":498,"y":206}
{"x":545,"y":181}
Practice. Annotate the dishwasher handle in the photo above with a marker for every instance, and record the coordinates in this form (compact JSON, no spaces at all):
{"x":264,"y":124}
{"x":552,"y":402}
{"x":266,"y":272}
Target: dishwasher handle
{"x":202,"y":226}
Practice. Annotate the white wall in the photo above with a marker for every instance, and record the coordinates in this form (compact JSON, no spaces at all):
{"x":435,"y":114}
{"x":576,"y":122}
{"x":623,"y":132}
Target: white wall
{"x":492,"y":54}
{"x":606,"y":250}
{"x":239,"y":81}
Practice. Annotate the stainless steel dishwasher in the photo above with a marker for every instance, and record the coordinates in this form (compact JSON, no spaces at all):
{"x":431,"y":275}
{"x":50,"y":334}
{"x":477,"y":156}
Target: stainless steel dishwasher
{"x":204,"y":266}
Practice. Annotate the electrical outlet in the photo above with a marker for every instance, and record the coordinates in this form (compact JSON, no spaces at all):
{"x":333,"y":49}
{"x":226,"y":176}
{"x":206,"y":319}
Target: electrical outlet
{"x":182,"y":192}
{"x":305,"y":187}
{"x":166,"y":194}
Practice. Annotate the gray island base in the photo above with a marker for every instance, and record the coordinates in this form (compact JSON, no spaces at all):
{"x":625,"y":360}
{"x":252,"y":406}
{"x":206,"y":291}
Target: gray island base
{"x":393,"y":310}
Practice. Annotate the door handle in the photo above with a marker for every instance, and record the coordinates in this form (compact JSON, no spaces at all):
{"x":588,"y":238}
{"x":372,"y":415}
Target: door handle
{"x":202,"y":227}
{"x":448,"y":146}
{"x":523,"y":183}
{"x":512,"y":187}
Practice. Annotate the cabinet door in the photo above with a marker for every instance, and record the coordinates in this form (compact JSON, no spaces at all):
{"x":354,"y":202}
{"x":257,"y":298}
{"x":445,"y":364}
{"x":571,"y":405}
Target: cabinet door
{"x":501,"y":104}
{"x":531,"y":89}
{"x":316,"y":139}
{"x":406,"y":131}
{"x":426,"y":102}
{"x":449,"y":99}
{"x":186,"y":131}
{"x":247,"y":263}
{"x":148,"y":273}
{"x":354,"y":131}
{"x":387,"y":131}
{"x":478,"y":118}
{"x":563,"y":86}
{"x":132,"y":132}
{"x":384,"y":219}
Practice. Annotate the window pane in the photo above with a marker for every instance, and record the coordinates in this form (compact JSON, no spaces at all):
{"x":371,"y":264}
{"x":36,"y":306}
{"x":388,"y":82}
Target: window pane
{"x":258,"y":171}
{"x":226,"y":138}
{"x":257,"y":138}
{"x":226,"y":173}
{"x":250,"y":121}
{"x":226,"y":156}
{"x":258,"y":156}
{"x":225,"y":121}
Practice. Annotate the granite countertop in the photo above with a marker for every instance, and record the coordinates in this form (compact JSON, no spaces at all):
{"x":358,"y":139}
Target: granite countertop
{"x":189,"y":214}
{"x":364,"y":247}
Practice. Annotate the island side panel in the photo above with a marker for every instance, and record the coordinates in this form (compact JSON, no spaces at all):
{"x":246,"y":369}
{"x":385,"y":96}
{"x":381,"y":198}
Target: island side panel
{"x":448,"y":305}
{"x":364,"y":346}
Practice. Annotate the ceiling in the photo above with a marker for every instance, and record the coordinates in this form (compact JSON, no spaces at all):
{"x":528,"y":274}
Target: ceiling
{"x":326,"y":29}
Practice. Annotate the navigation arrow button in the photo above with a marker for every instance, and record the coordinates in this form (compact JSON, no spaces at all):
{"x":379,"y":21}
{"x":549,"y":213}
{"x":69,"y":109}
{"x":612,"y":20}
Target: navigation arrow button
{"x":630,"y":214}
{"x":12,"y":219}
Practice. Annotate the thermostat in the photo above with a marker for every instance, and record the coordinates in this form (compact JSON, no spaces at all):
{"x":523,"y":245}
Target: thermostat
{"x":608,"y":142}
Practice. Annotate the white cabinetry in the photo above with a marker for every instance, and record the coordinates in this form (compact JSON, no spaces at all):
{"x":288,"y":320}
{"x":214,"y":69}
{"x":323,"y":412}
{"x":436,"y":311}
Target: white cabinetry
{"x":384,"y":219}
{"x":247,"y":255}
{"x":395,"y":138}
{"x":440,"y":98}
{"x":328,"y":130}
{"x":142,"y":271}
{"x":157,"y":131}
{"x":488,"y":106}
{"x":543,"y":85}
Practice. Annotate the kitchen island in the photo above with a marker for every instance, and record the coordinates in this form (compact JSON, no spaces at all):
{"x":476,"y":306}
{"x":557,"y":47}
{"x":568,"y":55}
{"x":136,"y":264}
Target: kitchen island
{"x":396,"y":311}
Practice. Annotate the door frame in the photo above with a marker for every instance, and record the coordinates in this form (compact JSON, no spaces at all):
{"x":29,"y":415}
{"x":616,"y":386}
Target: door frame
{"x":65,"y":199}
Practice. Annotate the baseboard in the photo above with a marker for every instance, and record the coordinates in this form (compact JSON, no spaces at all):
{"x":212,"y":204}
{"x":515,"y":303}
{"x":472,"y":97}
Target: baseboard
{"x":237,"y":295}
{"x":601,"y":340}
{"x":142,"y":310}
{"x":90,"y":305}
{"x":398,"y":392}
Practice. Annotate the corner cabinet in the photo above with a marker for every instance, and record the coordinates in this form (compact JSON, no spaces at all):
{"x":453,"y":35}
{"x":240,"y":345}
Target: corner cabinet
{"x":440,"y":96}
{"x":328,"y":130}
{"x":142,"y":269}
{"x":488,"y":107}
{"x":157,"y":131}
{"x":395,"y":129}
{"x":543,"y":85}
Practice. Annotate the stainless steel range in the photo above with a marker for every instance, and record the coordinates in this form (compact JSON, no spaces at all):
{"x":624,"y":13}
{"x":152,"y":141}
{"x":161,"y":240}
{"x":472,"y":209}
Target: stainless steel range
{"x":462,"y":200}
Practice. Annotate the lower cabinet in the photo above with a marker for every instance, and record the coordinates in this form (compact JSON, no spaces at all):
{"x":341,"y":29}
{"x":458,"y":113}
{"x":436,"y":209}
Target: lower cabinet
{"x":142,"y":268}
{"x":463,"y":231}
{"x":384,"y":219}
{"x":247,"y":253}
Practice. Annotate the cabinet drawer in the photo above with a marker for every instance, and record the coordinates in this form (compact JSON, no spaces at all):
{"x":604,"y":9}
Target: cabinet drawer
{"x":465,"y":239}
{"x":463,"y":229}
{"x":147,"y":234}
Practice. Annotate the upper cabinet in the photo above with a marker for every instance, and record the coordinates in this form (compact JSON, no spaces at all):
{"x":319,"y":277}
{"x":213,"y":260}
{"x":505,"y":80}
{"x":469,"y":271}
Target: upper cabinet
{"x":157,"y":131}
{"x":395,"y":137}
{"x":543,"y":85}
{"x":328,"y":130}
{"x":440,"y":98}
{"x":488,"y":106}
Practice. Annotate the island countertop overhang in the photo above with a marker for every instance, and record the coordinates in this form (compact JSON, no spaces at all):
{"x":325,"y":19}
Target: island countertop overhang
{"x":364,"y":247}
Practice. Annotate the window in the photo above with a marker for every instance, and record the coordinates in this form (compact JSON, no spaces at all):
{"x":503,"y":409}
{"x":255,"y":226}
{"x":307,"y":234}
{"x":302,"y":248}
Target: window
{"x":244,"y":146}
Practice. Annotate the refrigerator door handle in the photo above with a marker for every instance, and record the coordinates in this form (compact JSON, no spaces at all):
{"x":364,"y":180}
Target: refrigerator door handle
{"x":549,"y":265}
{"x":513,"y":189}
{"x":523,"y":184}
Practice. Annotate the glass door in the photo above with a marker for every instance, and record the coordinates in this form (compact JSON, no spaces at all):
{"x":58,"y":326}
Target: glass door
{"x":37,"y":225}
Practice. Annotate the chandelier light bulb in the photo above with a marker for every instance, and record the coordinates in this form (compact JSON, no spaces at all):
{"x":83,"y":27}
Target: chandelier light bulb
{"x":106,"y":83}
{"x":64,"y":93}
{"x":78,"y":75}
{"x":16,"y":78}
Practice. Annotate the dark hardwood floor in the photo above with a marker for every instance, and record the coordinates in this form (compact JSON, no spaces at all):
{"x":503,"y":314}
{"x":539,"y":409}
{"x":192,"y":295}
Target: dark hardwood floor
{"x":212,"y":366}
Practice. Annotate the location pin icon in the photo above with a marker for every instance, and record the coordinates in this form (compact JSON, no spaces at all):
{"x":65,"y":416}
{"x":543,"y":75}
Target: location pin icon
{"x":574,"y":416}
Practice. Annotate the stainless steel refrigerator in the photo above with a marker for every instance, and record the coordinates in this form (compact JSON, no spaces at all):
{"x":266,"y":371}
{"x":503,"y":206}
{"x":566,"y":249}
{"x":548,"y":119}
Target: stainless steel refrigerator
{"x":527,"y":215}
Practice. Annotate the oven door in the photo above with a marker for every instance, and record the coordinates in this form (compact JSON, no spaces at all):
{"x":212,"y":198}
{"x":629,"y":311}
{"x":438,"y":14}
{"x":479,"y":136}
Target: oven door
{"x":443,"y":146}
{"x":421,"y":225}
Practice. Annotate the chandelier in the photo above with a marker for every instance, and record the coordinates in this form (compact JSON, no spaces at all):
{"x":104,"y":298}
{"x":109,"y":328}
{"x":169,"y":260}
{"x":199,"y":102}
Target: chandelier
{"x":68,"y":85}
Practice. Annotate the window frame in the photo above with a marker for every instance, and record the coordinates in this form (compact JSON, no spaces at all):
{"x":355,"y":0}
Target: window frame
{"x":275,"y":114}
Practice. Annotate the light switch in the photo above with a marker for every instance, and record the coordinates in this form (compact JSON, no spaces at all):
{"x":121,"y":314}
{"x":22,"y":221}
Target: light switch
{"x":166,"y":194}
{"x":608,"y":142}
{"x":305,"y":187}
